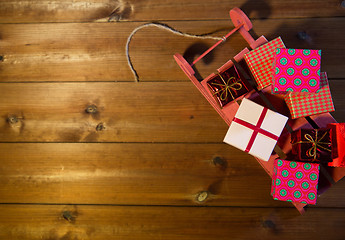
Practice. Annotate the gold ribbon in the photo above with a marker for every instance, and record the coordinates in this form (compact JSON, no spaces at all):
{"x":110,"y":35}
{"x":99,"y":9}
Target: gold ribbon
{"x":316,"y":143}
{"x":227,"y":87}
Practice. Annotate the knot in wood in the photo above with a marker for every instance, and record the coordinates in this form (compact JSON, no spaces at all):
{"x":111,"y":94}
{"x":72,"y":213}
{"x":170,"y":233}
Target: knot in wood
{"x":100,"y":127}
{"x":91,"y":109}
{"x":12,"y":119}
{"x":1,"y":58}
{"x":218,"y":161}
{"x":302,"y":35}
{"x":70,"y":216}
{"x":67,"y":216}
{"x":202,"y":196}
{"x":269,"y":224}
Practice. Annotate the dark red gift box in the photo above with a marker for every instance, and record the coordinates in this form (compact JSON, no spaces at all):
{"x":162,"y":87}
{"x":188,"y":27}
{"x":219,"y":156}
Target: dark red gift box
{"x":313,"y":145}
{"x":228,"y":86}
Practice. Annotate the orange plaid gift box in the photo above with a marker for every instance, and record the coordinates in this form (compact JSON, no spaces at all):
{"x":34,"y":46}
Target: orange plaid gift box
{"x":307,"y":104}
{"x":260,"y":62}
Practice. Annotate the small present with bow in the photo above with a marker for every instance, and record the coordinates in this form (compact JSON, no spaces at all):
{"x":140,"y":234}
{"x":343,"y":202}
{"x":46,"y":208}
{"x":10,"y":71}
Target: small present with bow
{"x":227,"y":86}
{"x":313,"y":145}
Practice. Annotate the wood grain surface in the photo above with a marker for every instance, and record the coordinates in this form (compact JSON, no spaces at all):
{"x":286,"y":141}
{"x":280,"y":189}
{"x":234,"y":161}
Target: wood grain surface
{"x":96,"y":51}
{"x":129,"y":112}
{"x":87,"y":153}
{"x":124,"y":112}
{"x":15,"y":11}
{"x":138,"y":174}
{"x":137,"y":222}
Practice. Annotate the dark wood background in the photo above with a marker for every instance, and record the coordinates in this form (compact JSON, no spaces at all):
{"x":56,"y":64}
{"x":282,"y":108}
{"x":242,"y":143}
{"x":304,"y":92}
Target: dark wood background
{"x":148,"y":162}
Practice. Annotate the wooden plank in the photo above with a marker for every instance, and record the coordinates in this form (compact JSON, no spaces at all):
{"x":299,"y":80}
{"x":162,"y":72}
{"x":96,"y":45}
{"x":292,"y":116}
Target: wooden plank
{"x":138,"y":174}
{"x":117,"y":222}
{"x":126,"y":112}
{"x":129,"y":112}
{"x":14,"y":11}
{"x":134,"y":174}
{"x":96,"y":51}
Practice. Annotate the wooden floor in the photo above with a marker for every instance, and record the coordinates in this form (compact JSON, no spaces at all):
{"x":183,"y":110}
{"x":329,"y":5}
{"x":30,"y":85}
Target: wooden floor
{"x":87,"y":153}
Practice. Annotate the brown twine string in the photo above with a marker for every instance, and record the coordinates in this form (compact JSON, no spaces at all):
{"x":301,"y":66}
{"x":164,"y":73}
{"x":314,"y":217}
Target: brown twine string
{"x":164,"y":27}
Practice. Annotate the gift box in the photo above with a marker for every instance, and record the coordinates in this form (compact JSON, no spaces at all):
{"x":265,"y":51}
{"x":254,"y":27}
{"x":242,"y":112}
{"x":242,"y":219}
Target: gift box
{"x":296,"y":70}
{"x":227,"y":86}
{"x":255,"y":129}
{"x":260,"y":62}
{"x":295,"y":181}
{"x":338,"y":144}
{"x":312,"y":145}
{"x":306,"y":104}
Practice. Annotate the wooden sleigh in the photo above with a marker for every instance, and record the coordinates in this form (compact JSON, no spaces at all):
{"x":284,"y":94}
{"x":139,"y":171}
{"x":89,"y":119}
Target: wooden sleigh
{"x":328,"y":175}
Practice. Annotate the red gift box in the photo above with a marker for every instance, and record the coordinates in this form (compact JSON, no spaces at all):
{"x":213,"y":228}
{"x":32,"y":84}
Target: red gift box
{"x":312,"y":145}
{"x":338,"y":144}
{"x":227,"y":86}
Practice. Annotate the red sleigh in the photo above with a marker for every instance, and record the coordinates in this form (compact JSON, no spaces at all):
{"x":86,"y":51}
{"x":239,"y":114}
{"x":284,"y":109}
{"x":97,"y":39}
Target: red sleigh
{"x":328,"y":176}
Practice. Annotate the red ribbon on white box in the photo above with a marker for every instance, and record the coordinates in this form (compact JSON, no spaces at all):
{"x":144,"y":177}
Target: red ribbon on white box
{"x":256,"y":129}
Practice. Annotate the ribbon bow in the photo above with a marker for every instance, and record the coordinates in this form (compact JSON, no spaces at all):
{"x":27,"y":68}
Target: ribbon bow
{"x":227,"y":87}
{"x":316,"y":143}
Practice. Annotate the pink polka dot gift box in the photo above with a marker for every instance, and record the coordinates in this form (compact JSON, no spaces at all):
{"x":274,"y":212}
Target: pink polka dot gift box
{"x":295,"y":181}
{"x":296,"y":70}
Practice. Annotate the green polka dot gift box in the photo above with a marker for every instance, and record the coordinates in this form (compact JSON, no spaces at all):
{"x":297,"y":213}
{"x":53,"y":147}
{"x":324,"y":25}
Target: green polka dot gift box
{"x":296,"y":70}
{"x":307,"y":104}
{"x":295,"y":181}
{"x":260,"y":62}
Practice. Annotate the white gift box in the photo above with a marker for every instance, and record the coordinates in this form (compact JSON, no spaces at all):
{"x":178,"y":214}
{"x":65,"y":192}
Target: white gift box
{"x":255,"y":129}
